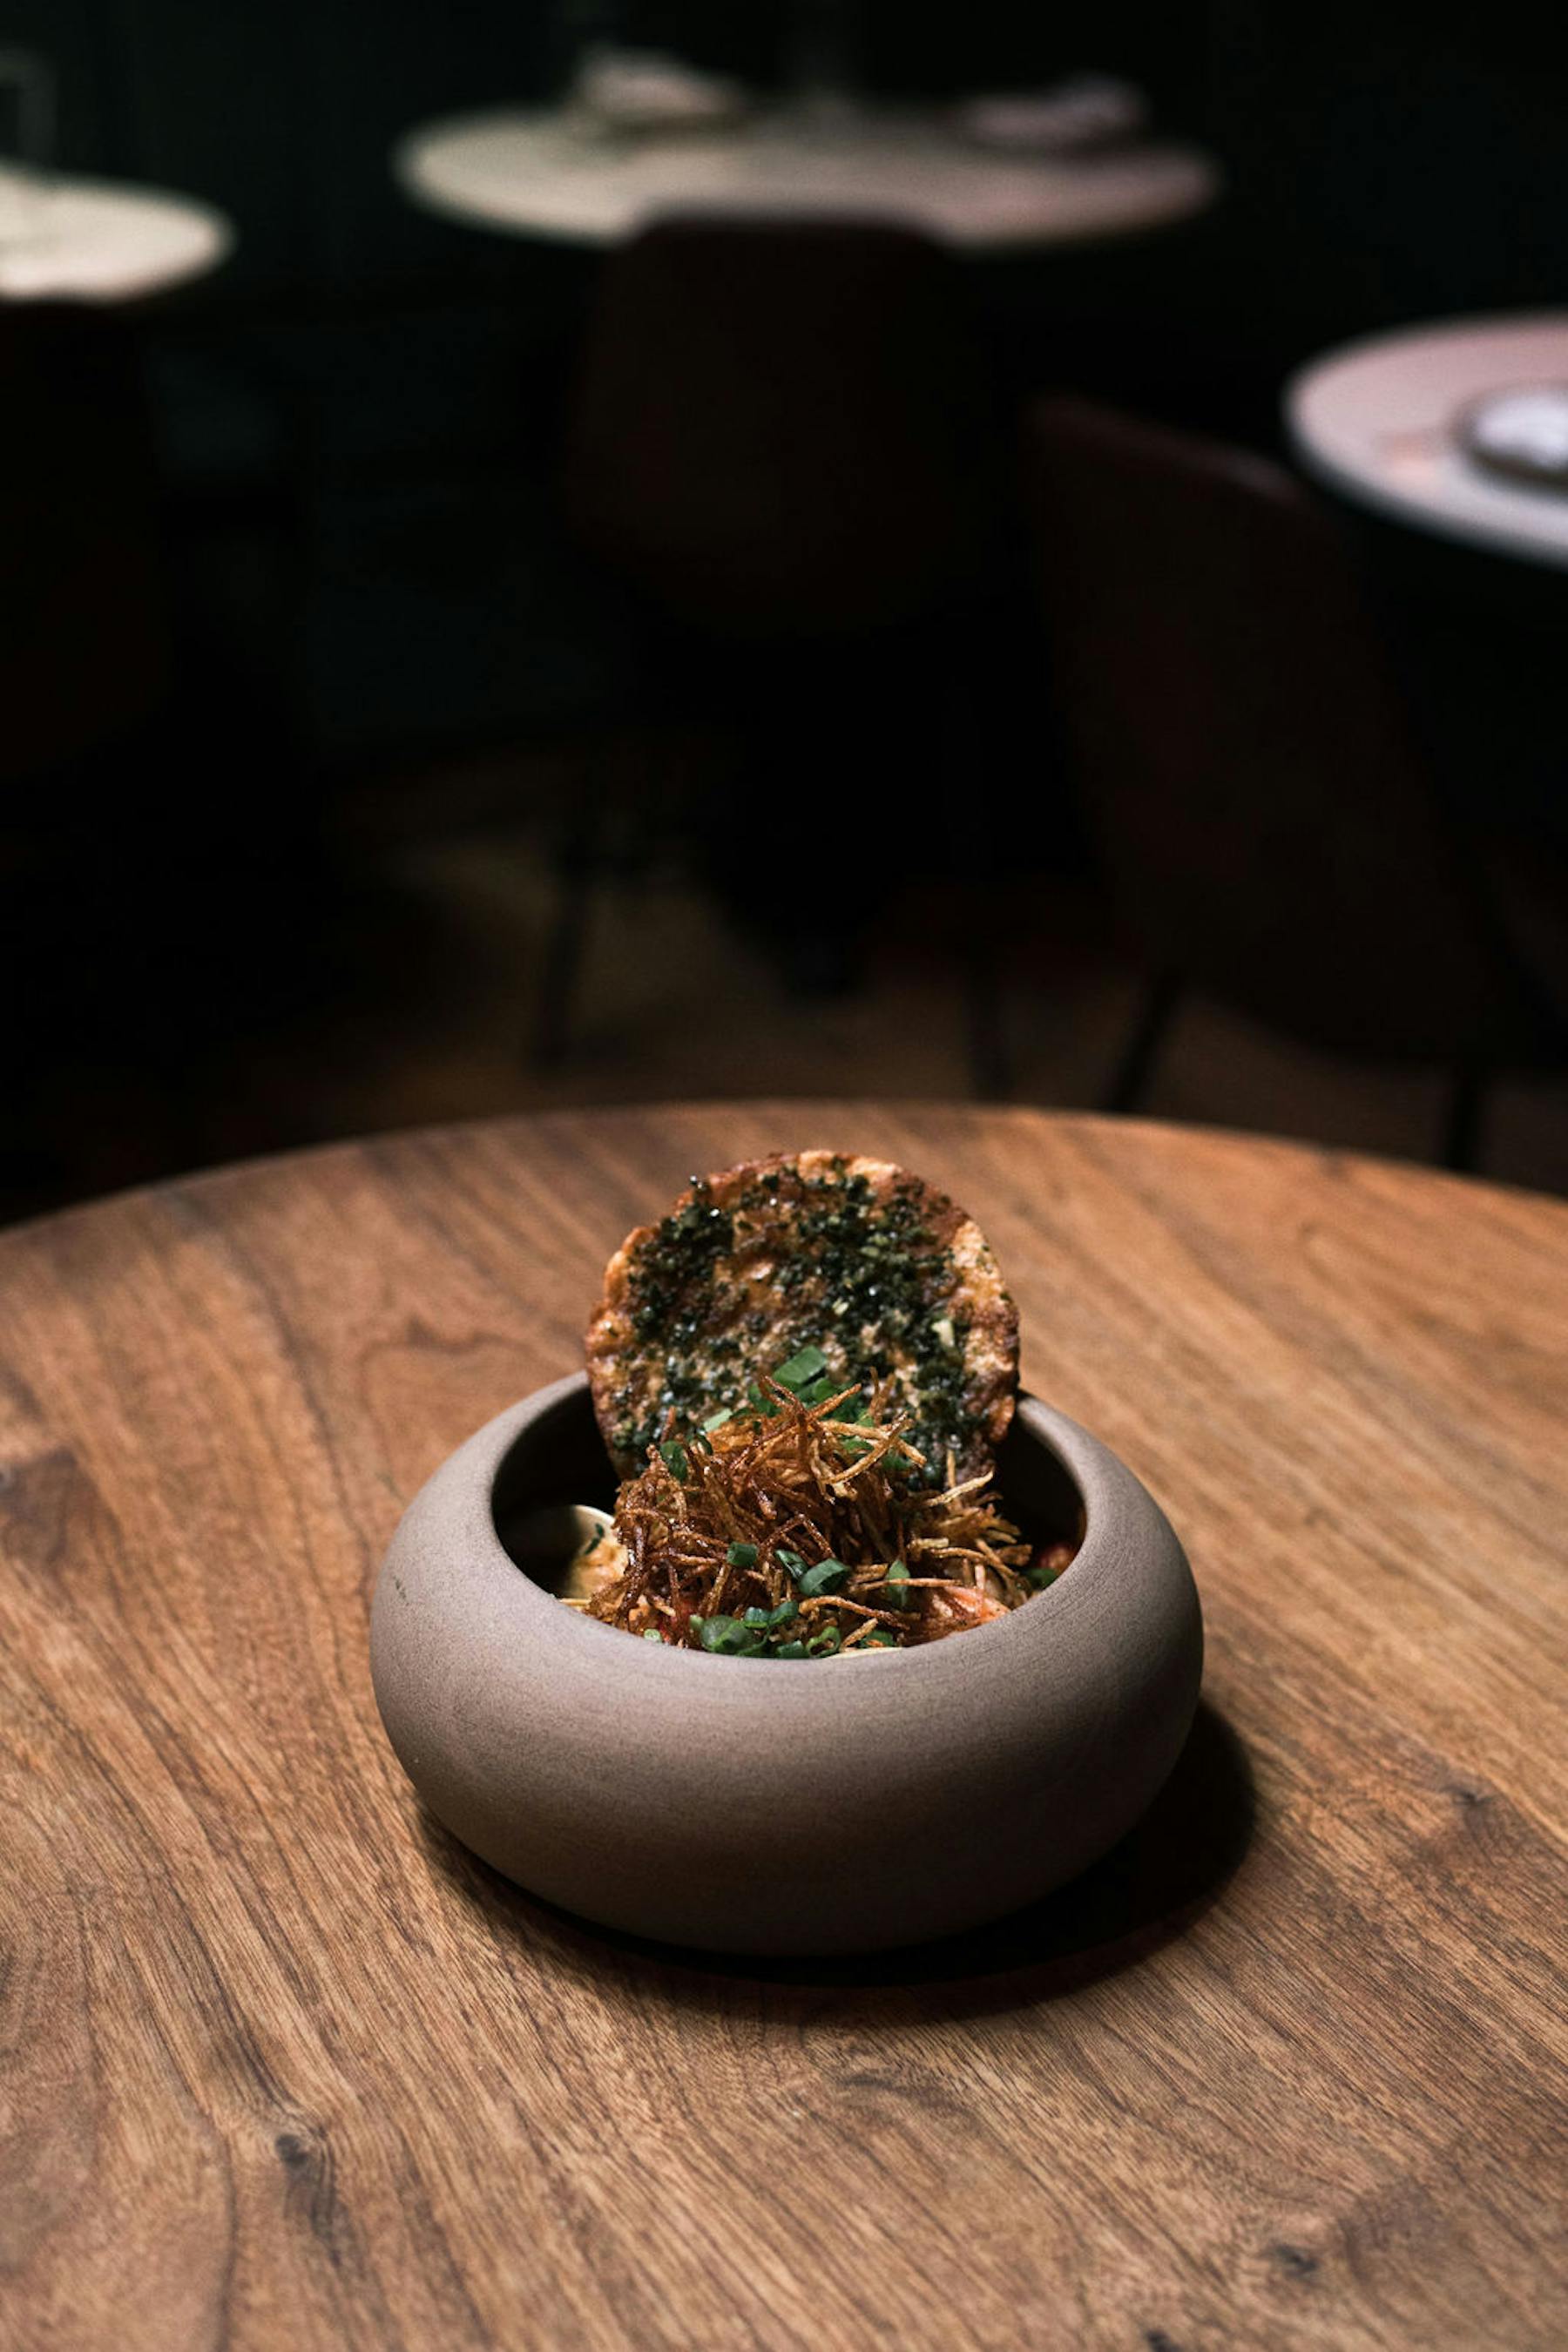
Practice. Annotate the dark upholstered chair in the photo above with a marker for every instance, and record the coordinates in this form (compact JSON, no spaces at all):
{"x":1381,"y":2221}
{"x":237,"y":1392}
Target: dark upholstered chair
{"x":1267,"y":819}
{"x":781,"y":454}
{"x":83,"y":636}
{"x":780,"y":426}
{"x":84,"y":660}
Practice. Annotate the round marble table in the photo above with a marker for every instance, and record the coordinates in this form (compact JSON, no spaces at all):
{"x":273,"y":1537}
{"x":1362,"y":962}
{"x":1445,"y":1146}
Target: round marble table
{"x":1375,"y":422}
{"x":538,"y":173}
{"x":284,"y":2065}
{"x":102,"y":240}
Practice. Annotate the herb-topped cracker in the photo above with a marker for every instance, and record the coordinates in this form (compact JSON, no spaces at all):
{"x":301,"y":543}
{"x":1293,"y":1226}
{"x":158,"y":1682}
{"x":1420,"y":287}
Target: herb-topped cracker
{"x":843,"y":1270}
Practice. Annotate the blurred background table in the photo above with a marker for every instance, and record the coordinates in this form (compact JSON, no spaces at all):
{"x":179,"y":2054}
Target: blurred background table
{"x":102,"y":240}
{"x":284,"y":2065}
{"x":537,"y":173}
{"x":1377,"y":421}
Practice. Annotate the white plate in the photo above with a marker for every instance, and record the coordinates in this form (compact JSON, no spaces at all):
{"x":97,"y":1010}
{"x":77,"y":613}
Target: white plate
{"x":1521,"y":432}
{"x":1087,"y":111}
{"x":644,"y":91}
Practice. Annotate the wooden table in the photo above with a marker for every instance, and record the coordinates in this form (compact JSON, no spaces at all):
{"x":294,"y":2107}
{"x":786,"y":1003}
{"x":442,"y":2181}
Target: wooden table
{"x":284,"y":2067}
{"x":537,"y":173}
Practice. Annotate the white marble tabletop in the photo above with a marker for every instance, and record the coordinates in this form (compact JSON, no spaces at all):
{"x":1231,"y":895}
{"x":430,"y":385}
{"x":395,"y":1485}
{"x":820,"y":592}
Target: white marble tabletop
{"x":1379,"y":422}
{"x":100,"y":240}
{"x":550,"y":174}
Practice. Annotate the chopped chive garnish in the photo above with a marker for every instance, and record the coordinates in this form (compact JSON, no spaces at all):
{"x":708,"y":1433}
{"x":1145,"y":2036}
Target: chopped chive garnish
{"x":802,"y":1369}
{"x":672,"y":1454}
{"x":764,"y":1404}
{"x":653,"y":1634}
{"x":1040,"y":1575}
{"x":727,"y":1638}
{"x":881,"y":1640}
{"x":791,"y":1562}
{"x":818,"y":1391}
{"x":854,"y":1408}
{"x":779,"y":1616}
{"x":717,"y":1419}
{"x":822,"y":1644}
{"x":826,"y":1577}
{"x":741,"y":1555}
{"x":790,"y":1650}
{"x":898,"y":1595}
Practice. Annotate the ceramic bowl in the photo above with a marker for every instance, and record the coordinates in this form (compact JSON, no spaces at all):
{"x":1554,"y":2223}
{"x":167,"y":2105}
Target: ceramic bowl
{"x":741,"y":1804}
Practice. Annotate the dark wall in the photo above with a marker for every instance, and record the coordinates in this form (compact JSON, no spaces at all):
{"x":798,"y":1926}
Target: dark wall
{"x":1393,"y":160}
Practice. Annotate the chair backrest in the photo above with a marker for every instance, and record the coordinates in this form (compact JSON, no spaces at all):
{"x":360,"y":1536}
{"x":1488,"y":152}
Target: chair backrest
{"x":1265,"y":813}
{"x":781,"y":427}
{"x":83,"y":636}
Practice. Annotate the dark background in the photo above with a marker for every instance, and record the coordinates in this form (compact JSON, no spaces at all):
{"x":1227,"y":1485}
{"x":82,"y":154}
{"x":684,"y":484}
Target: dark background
{"x":355,"y":425}
{"x":1386,"y":161}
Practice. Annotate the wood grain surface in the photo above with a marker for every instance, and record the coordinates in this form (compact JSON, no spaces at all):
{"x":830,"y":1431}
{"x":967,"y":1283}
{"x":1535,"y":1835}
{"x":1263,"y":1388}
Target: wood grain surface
{"x":283,"y":2066}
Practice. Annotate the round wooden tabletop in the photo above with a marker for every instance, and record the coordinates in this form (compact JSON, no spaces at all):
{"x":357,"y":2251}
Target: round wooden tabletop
{"x":283,"y":2065}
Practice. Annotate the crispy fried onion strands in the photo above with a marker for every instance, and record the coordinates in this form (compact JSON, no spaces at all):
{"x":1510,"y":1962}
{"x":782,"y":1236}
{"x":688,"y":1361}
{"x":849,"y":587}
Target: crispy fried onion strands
{"x":803,"y":1483}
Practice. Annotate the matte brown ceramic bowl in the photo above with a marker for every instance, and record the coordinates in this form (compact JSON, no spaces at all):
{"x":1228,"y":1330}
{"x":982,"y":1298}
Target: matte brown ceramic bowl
{"x":754,"y":1805}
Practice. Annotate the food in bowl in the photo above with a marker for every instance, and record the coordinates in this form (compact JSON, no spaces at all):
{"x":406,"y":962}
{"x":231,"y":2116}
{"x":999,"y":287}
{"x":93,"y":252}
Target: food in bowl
{"x":803,"y":1371}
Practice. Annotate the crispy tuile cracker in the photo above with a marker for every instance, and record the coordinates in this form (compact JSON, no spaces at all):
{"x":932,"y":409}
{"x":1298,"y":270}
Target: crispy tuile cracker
{"x":885,"y":1274}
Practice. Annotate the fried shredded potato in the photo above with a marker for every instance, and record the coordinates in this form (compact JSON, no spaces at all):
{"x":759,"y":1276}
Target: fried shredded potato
{"x":796,"y":1515}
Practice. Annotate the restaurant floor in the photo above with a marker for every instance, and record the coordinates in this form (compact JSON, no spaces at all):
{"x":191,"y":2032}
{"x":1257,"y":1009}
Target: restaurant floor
{"x":425,"y":989}
{"x":674,"y":1002}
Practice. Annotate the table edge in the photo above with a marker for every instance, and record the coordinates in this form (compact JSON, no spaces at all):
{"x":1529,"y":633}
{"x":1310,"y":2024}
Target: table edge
{"x":198,"y":1183}
{"x":409,"y":172}
{"x":1380,"y":498}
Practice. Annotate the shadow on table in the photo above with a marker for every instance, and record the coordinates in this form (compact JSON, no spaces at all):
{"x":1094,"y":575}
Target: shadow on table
{"x":1162,"y":1877}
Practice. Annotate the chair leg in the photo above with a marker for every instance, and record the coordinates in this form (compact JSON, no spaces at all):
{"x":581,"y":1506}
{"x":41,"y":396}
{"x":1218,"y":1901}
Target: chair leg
{"x":1141,"y":1051}
{"x":1462,"y":1134}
